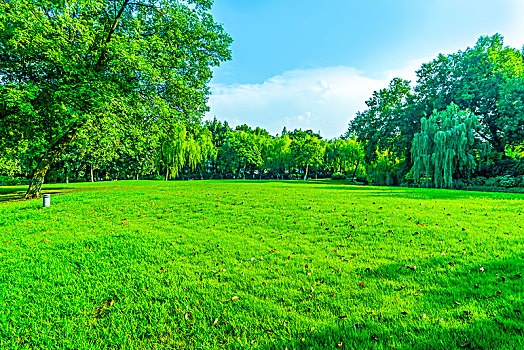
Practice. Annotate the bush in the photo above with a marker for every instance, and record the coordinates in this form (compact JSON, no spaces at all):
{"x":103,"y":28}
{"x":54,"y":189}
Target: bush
{"x":9,"y":181}
{"x":153,"y":177}
{"x":478,"y":181}
{"x":506,"y":181}
{"x":503,"y":181}
{"x":338,"y":176}
{"x":363,"y":179}
{"x":491,"y":182}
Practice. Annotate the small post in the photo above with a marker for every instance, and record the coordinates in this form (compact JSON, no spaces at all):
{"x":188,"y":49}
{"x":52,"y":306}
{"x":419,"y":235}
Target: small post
{"x":47,"y":200}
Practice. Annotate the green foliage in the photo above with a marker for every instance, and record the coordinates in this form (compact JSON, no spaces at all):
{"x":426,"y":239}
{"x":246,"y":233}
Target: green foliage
{"x":386,"y":169}
{"x":306,"y":150}
{"x":180,"y":147}
{"x":65,"y":65}
{"x":338,"y":176}
{"x":442,"y":151}
{"x":344,"y":155}
{"x":240,"y":152}
{"x":280,"y":159}
{"x":484,"y":79}
{"x":385,"y":124}
{"x":12,"y":181}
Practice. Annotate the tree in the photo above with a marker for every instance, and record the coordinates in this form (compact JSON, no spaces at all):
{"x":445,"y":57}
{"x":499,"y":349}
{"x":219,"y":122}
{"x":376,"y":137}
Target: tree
{"x":239,"y":153}
{"x":280,"y":160}
{"x":182,"y":146}
{"x":344,"y":155}
{"x":477,"y":79}
{"x":385,"y":124}
{"x":442,"y":151}
{"x":98,"y":145}
{"x":510,"y":106}
{"x":306,"y":150}
{"x":65,"y":63}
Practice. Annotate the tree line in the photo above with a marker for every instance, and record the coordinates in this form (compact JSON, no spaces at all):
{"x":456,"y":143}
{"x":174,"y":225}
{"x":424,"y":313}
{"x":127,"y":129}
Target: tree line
{"x":211,"y":150}
{"x":92,"y":91}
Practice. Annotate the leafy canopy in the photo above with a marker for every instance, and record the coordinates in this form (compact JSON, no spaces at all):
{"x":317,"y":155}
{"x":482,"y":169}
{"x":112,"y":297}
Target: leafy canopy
{"x":65,"y":63}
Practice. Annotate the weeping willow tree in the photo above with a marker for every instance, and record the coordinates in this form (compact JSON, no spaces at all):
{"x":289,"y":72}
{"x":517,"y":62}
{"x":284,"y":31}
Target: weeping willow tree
{"x":443,"y":150}
{"x":199,"y":148}
{"x":181,"y":147}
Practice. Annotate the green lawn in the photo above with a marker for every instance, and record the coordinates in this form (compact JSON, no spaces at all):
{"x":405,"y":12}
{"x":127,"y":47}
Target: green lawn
{"x":262,"y":265}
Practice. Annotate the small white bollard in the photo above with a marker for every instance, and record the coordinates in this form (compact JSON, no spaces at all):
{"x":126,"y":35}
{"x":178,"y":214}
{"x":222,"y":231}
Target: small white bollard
{"x":47,"y":200}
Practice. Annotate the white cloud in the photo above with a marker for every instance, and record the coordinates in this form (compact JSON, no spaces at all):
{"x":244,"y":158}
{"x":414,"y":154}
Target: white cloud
{"x":322,"y":99}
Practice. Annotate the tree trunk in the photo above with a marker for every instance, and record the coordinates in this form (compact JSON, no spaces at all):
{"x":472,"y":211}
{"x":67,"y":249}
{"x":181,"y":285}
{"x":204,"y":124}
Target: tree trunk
{"x":92,"y":175}
{"x":356,"y":167}
{"x":43,"y":166}
{"x":307,"y":169}
{"x":167,"y":173}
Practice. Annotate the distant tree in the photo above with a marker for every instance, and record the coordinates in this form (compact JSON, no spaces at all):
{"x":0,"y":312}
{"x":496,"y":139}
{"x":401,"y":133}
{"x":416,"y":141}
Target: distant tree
{"x":182,"y":146}
{"x":306,"y":150}
{"x":280,"y":159}
{"x":344,"y":155}
{"x":239,"y":153}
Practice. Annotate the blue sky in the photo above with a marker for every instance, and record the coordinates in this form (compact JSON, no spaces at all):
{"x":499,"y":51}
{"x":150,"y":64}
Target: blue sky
{"x":313,"y":64}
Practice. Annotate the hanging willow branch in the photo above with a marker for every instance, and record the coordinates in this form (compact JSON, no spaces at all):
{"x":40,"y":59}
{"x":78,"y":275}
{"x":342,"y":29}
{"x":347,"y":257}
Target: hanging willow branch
{"x":442,"y":151}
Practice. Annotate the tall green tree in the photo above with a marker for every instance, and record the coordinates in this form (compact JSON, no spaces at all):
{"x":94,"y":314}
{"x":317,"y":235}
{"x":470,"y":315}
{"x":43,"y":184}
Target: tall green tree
{"x":240,"y":153}
{"x":279,"y":158}
{"x":385,"y":124}
{"x":443,"y":150}
{"x":477,"y":79}
{"x":344,"y":155}
{"x":64,"y":63}
{"x":306,"y":150}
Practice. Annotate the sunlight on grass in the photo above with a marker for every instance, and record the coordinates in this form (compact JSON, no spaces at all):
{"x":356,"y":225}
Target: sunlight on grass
{"x":240,"y":264}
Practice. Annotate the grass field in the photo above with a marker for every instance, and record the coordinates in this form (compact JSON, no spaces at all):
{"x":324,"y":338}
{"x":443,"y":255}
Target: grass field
{"x":262,"y":265}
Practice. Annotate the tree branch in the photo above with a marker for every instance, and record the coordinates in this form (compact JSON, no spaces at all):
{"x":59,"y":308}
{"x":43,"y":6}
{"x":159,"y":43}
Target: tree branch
{"x":111,"y":31}
{"x":147,"y":5}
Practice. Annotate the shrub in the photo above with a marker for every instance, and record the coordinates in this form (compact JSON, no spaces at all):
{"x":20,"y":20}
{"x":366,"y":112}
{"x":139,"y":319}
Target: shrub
{"x":503,"y":181}
{"x":363,"y":179}
{"x":338,"y":176}
{"x":506,"y":181}
{"x":519,"y":181}
{"x":9,"y":181}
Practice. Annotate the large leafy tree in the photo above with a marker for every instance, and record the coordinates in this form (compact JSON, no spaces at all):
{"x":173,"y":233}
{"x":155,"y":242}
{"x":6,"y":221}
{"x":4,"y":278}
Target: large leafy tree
{"x":385,"y":124}
{"x":239,"y":153}
{"x":66,"y":63}
{"x":306,"y":149}
{"x":484,"y":79}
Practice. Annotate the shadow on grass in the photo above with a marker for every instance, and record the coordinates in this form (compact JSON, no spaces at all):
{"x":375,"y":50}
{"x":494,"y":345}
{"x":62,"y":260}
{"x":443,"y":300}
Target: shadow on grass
{"x":16,"y":194}
{"x":486,"y":334}
{"x":418,"y":193}
{"x":501,"y":330}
